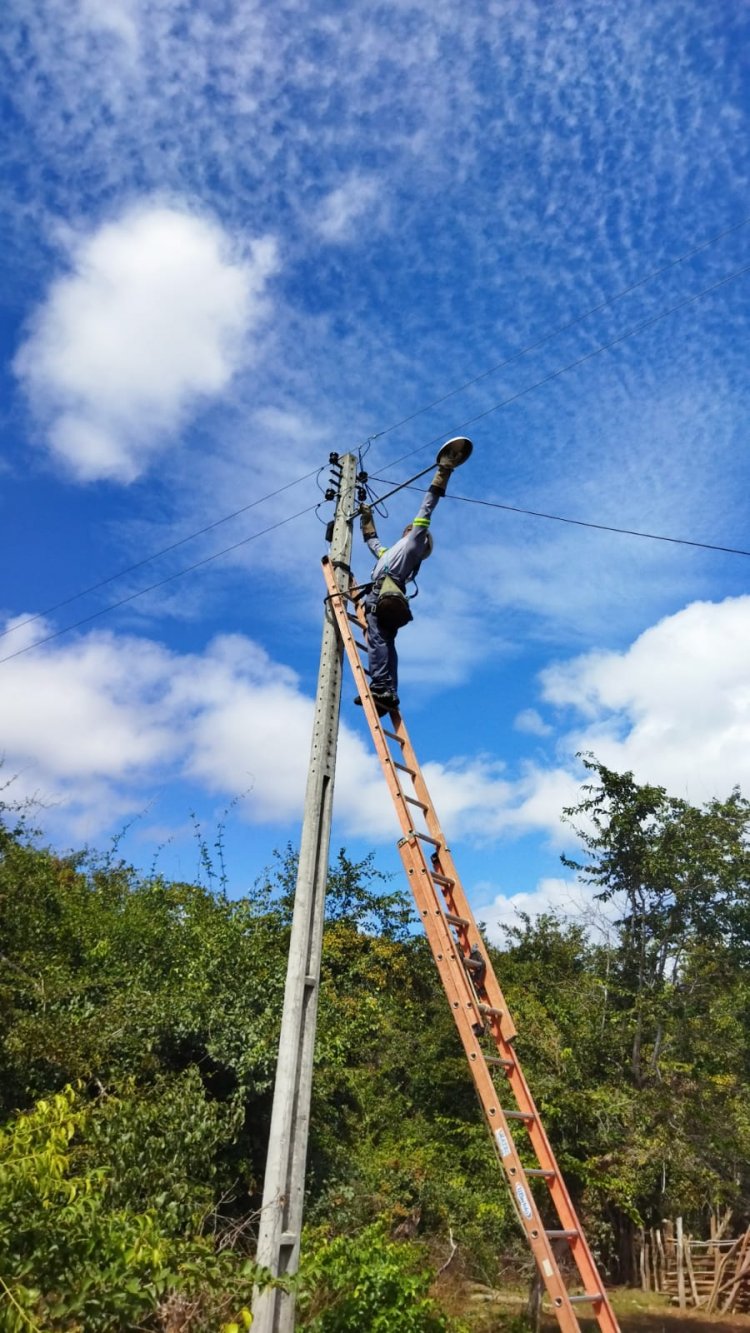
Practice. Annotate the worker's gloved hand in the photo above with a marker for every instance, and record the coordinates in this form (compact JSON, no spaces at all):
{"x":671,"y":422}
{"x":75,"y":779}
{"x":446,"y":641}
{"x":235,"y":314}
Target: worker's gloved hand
{"x":367,"y":523}
{"x":441,"y":478}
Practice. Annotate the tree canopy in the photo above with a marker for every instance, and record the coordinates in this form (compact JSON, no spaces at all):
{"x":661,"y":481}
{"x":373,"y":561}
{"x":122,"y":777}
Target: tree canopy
{"x":139,"y":1022}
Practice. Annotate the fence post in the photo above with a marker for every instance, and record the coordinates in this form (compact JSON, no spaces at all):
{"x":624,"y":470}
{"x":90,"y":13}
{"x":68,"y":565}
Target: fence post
{"x":680,"y":1257}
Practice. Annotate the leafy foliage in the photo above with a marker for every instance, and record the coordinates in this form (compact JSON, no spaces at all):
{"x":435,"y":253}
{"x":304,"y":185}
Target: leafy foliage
{"x":74,"y":1256}
{"x":369,"y":1283}
{"x":139,"y":1024}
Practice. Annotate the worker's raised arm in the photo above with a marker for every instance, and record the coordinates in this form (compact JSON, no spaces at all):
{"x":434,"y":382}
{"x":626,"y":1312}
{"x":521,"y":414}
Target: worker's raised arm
{"x":369,"y":532}
{"x":435,"y":492}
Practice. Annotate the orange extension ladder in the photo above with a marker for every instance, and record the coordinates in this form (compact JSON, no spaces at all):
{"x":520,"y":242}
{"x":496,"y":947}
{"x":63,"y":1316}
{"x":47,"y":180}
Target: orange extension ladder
{"x":475,"y":997}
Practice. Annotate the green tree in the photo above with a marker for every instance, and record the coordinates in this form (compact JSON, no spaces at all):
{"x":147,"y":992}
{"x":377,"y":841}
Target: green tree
{"x":671,"y":1065}
{"x":677,"y":875}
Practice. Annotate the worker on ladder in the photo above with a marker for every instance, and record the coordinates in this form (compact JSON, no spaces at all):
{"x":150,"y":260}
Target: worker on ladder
{"x":386,"y":603}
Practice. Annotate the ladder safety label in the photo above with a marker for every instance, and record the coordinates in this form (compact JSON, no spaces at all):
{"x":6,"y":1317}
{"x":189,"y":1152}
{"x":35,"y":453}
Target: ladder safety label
{"x":546,"y":1268}
{"x":502,"y":1142}
{"x":523,"y":1201}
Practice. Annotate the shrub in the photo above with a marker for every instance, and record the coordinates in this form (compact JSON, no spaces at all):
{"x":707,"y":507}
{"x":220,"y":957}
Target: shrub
{"x":74,"y":1258}
{"x":369,"y":1283}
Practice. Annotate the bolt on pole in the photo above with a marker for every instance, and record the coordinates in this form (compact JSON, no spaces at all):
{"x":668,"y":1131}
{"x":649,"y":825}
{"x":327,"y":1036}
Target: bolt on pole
{"x":284,"y":1184}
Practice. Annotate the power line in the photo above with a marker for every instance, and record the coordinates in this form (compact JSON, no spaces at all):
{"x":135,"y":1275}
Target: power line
{"x":563,"y":328}
{"x":579,"y":361}
{"x":152,"y":586}
{"x":191,"y":536}
{"x":638,"y":328}
{"x":600,"y":527}
{"x":155,"y":555}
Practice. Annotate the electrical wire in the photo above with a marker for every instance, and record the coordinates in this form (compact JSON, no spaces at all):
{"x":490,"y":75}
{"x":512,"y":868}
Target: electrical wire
{"x":512,"y":398}
{"x":152,"y":586}
{"x":155,"y":555}
{"x":571,"y":365}
{"x":563,"y":328}
{"x":587,"y":523}
{"x":363,"y":449}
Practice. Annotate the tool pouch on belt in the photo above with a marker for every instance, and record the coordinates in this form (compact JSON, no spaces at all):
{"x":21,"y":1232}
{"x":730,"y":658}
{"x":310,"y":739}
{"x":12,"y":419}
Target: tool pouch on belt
{"x":392,"y":607}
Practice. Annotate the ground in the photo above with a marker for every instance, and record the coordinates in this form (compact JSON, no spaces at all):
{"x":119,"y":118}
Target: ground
{"x":637,"y":1312}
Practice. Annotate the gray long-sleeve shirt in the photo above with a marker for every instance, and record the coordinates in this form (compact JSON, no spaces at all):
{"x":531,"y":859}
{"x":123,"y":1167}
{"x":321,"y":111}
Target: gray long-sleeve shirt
{"x":405,"y":556}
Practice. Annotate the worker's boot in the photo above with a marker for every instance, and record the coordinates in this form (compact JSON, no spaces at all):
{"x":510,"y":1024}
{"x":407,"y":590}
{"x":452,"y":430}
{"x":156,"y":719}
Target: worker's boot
{"x":441,"y":478}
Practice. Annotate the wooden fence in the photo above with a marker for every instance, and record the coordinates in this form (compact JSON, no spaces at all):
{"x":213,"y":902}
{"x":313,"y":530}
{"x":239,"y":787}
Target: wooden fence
{"x":712,"y":1275}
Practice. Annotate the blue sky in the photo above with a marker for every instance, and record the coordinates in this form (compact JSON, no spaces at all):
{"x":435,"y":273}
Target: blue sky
{"x":237,"y":236}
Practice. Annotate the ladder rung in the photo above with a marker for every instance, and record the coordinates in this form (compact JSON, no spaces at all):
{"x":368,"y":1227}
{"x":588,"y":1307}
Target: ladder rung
{"x":461,"y":921}
{"x":412,"y":800}
{"x":482,"y":1019}
{"x":443,"y":880}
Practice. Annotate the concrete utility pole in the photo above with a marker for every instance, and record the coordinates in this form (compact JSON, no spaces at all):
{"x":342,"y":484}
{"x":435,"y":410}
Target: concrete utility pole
{"x":284,"y":1184}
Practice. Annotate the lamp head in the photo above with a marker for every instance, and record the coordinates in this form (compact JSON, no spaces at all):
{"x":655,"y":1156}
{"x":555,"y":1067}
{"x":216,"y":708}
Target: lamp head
{"x":455,"y":452}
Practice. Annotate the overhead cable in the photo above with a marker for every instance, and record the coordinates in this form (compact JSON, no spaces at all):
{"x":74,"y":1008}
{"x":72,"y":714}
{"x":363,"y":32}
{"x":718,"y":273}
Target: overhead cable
{"x":587,"y":523}
{"x":155,"y":555}
{"x":571,"y":365}
{"x":178,"y":574}
{"x":563,"y":328}
{"x":199,"y":532}
{"x":191,"y":536}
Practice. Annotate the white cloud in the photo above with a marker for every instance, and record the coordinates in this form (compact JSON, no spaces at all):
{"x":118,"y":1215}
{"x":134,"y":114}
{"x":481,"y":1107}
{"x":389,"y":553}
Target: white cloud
{"x":342,"y":209}
{"x":98,"y":722}
{"x":118,"y":17}
{"x":675,"y":707}
{"x":561,"y":897}
{"x":94,"y":725}
{"x":477,"y":799}
{"x":532,"y":723}
{"x":153,"y":319}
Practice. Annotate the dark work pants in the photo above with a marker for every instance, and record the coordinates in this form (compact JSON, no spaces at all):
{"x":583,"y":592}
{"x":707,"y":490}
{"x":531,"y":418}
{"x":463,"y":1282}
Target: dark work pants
{"x":381,"y":649}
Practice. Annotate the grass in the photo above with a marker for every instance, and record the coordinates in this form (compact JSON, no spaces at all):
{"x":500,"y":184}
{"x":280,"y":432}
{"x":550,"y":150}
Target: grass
{"x":489,"y":1311}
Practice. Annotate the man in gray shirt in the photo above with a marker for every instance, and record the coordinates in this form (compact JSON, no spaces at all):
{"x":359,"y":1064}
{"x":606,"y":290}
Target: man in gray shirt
{"x":401,"y":562}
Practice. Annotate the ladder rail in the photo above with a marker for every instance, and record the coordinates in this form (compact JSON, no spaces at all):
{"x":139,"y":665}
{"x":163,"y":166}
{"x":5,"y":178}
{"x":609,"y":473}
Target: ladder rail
{"x":443,"y":909}
{"x":448,"y":868}
{"x":460,"y":906}
{"x":452,"y":974}
{"x":506,"y":1030}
